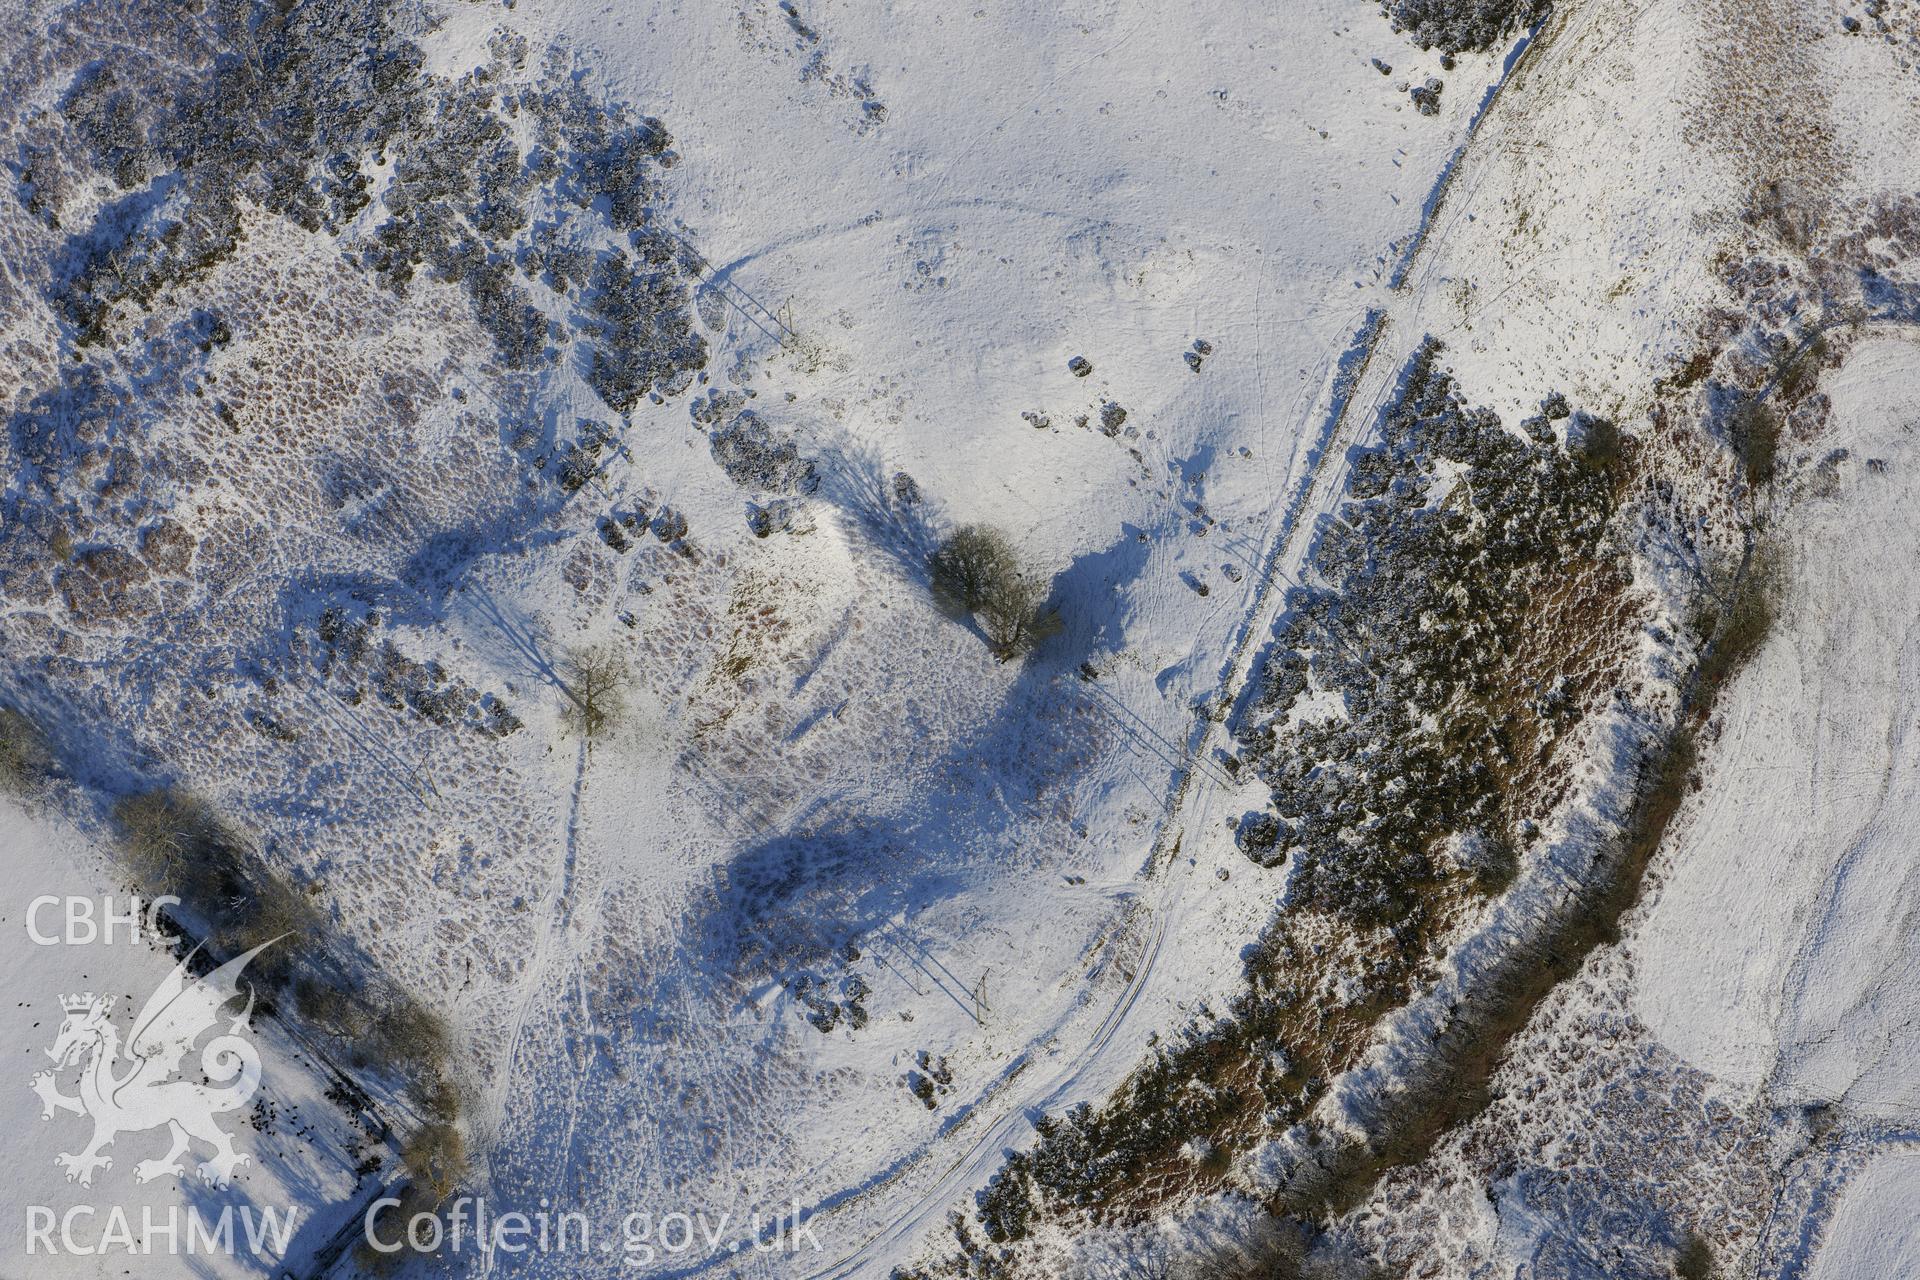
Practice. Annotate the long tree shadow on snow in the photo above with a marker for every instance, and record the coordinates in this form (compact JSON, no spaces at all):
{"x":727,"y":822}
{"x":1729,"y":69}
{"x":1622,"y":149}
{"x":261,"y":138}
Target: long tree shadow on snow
{"x":794,"y":901}
{"x":899,"y":526}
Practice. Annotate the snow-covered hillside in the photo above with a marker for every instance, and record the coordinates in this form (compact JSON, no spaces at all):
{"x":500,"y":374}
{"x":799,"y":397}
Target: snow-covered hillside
{"x":293,"y":1191}
{"x":471,"y":480}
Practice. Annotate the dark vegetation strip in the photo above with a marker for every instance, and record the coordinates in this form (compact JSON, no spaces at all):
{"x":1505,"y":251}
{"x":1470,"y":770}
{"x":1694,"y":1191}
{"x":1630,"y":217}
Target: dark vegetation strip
{"x":1461,"y":556}
{"x":375,"y":1038}
{"x":1734,"y":615}
{"x":298,"y":110}
{"x":1470,"y":1048}
{"x":1464,"y":623}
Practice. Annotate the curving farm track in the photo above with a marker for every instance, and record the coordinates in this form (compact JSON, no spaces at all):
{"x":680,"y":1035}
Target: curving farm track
{"x":1347,"y":405}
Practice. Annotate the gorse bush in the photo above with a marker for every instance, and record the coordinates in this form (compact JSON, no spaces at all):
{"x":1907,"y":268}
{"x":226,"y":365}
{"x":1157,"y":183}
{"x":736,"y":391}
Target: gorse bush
{"x":436,"y":1157}
{"x":25,"y":758}
{"x":301,"y":111}
{"x":1454,"y":25}
{"x":173,"y":844}
{"x":1428,"y":581}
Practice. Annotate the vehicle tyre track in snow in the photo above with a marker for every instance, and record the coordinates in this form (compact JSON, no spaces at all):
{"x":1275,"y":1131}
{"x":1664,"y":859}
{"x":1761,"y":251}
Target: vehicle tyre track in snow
{"x":986,"y":1153}
{"x":1316,"y":494}
{"x":540,"y":962}
{"x":978,"y":1163}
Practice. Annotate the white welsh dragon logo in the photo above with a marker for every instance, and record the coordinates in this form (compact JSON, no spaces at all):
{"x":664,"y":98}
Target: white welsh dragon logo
{"x":148,"y":1093}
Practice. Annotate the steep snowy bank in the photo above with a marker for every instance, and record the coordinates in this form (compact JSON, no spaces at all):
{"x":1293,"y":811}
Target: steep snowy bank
{"x":1782,"y":952}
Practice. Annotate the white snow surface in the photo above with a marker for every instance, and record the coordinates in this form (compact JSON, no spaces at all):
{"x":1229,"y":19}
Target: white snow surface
{"x":1104,"y":180}
{"x":915,"y":215}
{"x":301,"y":1147}
{"x":1875,"y":1233}
{"x":1783,"y":948}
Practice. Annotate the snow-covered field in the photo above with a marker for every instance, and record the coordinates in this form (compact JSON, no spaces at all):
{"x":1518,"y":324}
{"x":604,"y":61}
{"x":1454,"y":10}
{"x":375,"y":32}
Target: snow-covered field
{"x":1110,"y":184}
{"x":295,"y":1188}
{"x":838,"y":907}
{"x":1872,"y":1232}
{"x":1781,"y":952}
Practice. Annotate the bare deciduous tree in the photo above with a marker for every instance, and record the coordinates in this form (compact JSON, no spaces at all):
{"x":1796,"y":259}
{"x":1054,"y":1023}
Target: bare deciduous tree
{"x":977,"y":571}
{"x":160,"y":831}
{"x":1014,"y":615}
{"x":436,"y":1156}
{"x":595,"y":680}
{"x":272,"y":907}
{"x":24,"y":758}
{"x":968,"y":564}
